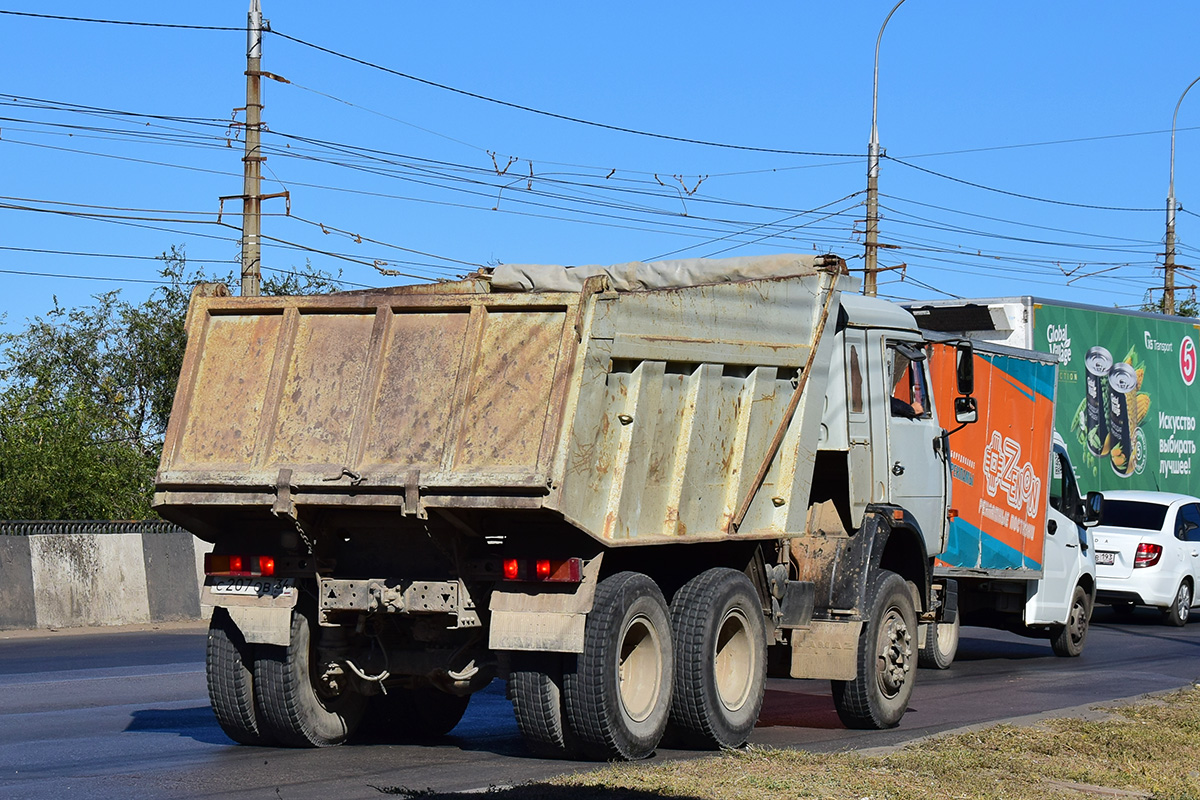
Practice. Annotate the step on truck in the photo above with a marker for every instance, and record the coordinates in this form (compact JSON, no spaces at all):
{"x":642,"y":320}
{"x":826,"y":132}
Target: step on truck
{"x":631,"y":492}
{"x":1018,"y":553}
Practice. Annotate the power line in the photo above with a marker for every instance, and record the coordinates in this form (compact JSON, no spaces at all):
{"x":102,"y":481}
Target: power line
{"x":553,"y":115}
{"x":123,"y":22}
{"x":1016,"y":194}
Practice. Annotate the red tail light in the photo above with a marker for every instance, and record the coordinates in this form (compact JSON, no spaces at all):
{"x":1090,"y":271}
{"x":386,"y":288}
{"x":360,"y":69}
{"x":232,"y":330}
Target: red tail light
{"x":239,"y":566}
{"x":1147,"y":555}
{"x":549,"y":570}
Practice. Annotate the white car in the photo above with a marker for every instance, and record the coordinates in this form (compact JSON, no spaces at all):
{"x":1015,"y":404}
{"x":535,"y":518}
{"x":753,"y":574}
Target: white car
{"x":1148,"y":552}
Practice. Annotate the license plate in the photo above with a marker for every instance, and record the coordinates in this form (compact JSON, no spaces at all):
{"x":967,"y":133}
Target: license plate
{"x":1104,"y":557}
{"x":253,"y":587}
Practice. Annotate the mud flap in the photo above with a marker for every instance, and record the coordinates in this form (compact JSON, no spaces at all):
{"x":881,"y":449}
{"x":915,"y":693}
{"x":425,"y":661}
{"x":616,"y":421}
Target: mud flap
{"x":262,"y":625}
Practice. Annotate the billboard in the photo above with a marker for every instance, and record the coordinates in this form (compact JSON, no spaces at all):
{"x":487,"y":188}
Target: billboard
{"x":1128,"y":399}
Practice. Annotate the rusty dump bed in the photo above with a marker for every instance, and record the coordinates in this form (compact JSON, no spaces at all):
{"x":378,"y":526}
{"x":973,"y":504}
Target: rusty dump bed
{"x":631,"y":415}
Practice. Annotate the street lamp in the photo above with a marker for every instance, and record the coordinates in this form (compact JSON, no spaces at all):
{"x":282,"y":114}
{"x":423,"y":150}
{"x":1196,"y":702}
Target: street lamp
{"x":872,"y":243}
{"x":1169,"y":258}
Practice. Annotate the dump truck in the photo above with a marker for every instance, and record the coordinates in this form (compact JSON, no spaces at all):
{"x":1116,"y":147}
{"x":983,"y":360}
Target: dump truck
{"x":1018,"y":553}
{"x":1126,"y":406}
{"x":631,"y":492}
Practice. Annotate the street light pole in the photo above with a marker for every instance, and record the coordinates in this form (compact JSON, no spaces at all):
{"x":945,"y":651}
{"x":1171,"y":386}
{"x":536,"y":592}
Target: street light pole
{"x":1169,"y":258}
{"x":872,"y":243}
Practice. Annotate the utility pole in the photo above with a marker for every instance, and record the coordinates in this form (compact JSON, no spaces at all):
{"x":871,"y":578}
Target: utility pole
{"x":1169,"y":257}
{"x":870,"y":284}
{"x":252,"y":161}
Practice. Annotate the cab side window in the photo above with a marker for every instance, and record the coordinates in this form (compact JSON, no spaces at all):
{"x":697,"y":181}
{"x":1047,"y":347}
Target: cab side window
{"x":1064,"y":496}
{"x":910,"y":384}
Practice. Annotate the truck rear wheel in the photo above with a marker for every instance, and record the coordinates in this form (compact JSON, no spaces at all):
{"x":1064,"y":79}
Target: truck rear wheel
{"x":720,"y":659}
{"x":535,"y":688}
{"x":941,"y":645}
{"x":228,"y":662}
{"x":298,"y":707}
{"x":618,"y":696}
{"x":887,"y":658}
{"x":1067,"y":640}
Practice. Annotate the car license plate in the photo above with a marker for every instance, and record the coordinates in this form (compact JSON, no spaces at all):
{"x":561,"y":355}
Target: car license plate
{"x":253,"y":587}
{"x":1105,"y":557}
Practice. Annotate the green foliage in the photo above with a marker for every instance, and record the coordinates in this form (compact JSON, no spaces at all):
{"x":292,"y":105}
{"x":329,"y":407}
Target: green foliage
{"x":1185,"y":306}
{"x":86,"y":393}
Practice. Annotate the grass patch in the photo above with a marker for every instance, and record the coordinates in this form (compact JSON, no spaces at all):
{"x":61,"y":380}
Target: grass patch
{"x":1147,"y":750}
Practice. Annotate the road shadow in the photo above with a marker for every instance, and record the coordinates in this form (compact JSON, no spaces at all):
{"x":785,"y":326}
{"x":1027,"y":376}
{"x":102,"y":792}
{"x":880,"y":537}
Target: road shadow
{"x":985,"y":649}
{"x":783,"y":709}
{"x":194,"y":723}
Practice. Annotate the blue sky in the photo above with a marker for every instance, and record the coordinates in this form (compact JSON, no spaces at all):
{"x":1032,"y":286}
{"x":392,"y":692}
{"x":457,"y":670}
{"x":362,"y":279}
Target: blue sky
{"x":1047,"y":125}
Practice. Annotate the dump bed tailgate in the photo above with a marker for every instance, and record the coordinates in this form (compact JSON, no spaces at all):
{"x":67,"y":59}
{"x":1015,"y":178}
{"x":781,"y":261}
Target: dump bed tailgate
{"x":375,"y":390}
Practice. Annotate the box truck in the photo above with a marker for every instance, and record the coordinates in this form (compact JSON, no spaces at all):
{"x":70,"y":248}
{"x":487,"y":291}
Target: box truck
{"x":1126,"y":400}
{"x":1018,"y":554}
{"x":628,"y":491}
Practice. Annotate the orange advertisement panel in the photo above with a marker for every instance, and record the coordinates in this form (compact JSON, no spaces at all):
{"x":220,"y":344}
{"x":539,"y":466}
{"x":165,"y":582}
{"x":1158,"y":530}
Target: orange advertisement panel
{"x":999,"y":465}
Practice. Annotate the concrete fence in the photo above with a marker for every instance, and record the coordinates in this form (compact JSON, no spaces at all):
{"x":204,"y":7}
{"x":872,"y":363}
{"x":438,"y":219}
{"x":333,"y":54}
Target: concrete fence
{"x":69,"y":574}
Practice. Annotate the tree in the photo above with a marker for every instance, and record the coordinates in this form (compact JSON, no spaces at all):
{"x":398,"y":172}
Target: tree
{"x":85,"y":395}
{"x":1184,"y":307}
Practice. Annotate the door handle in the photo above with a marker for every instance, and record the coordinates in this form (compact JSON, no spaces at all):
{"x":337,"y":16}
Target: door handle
{"x":897,"y":468}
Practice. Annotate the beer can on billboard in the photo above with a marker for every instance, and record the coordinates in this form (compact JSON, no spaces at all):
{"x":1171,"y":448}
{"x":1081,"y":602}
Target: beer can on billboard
{"x":1098,"y":362}
{"x":1122,"y":385}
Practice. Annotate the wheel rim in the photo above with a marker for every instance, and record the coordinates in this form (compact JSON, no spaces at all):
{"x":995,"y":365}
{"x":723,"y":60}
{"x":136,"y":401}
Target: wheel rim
{"x":1183,"y":602}
{"x":894,"y":661}
{"x":734,"y":660}
{"x":639,"y":668}
{"x":1076,"y":624}
{"x":946,"y":635}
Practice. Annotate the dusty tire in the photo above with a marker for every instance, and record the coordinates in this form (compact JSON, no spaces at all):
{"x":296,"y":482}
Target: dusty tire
{"x":228,"y":665}
{"x":720,"y":660}
{"x":1181,"y":607}
{"x":941,"y":645}
{"x":618,"y":695}
{"x":291,"y":708}
{"x":535,"y":687}
{"x":1067,"y":640}
{"x":887,"y":658}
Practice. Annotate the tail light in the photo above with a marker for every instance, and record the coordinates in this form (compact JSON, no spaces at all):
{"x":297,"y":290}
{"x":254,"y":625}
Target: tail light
{"x":548,"y":570}
{"x":239,"y":566}
{"x":1147,"y":555}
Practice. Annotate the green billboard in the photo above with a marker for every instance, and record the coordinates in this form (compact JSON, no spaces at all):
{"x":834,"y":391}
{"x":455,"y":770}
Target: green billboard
{"x":1128,"y":399}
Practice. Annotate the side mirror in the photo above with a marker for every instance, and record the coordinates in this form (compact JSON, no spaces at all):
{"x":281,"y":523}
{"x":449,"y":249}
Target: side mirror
{"x":965,"y":368}
{"x":966,"y":410}
{"x":1093,"y":509}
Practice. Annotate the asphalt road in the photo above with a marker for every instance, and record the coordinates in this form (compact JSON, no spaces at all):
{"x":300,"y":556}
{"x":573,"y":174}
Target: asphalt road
{"x":125,"y":715}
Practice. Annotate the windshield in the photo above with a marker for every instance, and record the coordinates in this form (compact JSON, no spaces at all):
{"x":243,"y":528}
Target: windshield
{"x":1133,"y":514}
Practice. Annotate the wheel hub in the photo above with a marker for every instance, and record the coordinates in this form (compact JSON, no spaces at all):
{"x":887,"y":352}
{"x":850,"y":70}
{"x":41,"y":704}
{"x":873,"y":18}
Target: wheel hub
{"x":895,"y":654}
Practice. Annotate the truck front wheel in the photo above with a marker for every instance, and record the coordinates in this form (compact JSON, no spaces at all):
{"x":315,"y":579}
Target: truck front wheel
{"x":941,"y":645}
{"x":720,"y":659}
{"x":228,"y":663}
{"x":887,"y":658}
{"x":1067,"y":640}
{"x":299,"y":706}
{"x":618,"y":696}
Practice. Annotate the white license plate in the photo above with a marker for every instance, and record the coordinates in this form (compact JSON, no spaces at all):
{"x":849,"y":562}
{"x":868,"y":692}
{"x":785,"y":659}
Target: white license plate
{"x":1105,"y":557}
{"x":253,"y":587}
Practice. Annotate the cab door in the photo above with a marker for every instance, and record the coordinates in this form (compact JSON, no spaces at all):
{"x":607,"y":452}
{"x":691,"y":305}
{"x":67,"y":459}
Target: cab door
{"x":1066,"y":554}
{"x":916,"y":465}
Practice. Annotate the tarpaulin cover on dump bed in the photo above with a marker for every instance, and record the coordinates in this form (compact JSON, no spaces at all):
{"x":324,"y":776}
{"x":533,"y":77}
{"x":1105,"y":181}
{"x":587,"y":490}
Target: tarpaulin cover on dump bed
{"x":637,"y":275}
